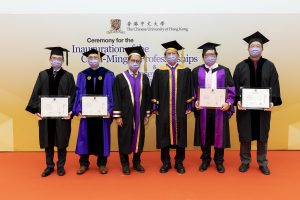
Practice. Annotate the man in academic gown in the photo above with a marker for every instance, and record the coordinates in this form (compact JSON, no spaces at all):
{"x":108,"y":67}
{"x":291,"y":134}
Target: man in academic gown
{"x":94,"y":132}
{"x":132,"y":104}
{"x":54,"y":81}
{"x":212,"y":125}
{"x":255,"y":72}
{"x":172,"y":99}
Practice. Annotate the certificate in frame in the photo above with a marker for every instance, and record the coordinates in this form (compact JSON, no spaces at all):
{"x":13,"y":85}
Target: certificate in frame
{"x":94,"y":105}
{"x":212,"y":98}
{"x":54,"y":106}
{"x":255,"y":98}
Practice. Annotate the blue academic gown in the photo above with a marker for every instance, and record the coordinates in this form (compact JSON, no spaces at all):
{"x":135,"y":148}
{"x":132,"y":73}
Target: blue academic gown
{"x":102,"y":80}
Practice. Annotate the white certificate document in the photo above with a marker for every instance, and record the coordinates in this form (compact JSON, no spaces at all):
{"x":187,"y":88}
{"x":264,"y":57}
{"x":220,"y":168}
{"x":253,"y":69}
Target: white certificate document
{"x":212,"y":98}
{"x":94,"y":105}
{"x":253,"y":98}
{"x":54,"y":107}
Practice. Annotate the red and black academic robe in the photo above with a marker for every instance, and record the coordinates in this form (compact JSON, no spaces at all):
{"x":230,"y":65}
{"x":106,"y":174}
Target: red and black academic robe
{"x":63,"y":84}
{"x":255,"y":124}
{"x":213,"y":130}
{"x":172,"y":96}
{"x":132,"y":102}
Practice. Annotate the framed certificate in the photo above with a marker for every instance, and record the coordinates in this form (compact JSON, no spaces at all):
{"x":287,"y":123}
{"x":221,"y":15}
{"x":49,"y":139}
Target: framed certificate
{"x":54,"y":106}
{"x":94,"y":106}
{"x":211,"y":98}
{"x":255,"y":98}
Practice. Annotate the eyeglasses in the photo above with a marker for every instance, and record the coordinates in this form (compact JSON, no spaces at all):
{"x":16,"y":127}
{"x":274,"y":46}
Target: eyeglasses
{"x":135,"y":61}
{"x":57,"y":58}
{"x":211,"y":54}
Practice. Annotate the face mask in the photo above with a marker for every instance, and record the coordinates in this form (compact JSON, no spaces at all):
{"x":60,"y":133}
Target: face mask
{"x":171,"y":58}
{"x":56,"y":63}
{"x":255,"y":51}
{"x":210,"y":60}
{"x":94,"y":62}
{"x":134,"y":65}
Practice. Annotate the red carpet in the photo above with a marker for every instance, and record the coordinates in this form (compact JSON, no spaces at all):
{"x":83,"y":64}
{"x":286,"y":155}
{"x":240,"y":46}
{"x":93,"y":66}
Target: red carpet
{"x":20,"y":179}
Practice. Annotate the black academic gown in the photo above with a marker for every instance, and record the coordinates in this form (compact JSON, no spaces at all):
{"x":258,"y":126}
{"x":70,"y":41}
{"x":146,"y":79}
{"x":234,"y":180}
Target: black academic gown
{"x":60,"y":129}
{"x":160,"y":90}
{"x":123,"y":107}
{"x":255,"y":124}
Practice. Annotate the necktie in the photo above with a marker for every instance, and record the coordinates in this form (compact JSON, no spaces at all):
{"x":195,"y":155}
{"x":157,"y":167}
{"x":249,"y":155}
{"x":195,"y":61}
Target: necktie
{"x":134,"y":75}
{"x":208,"y":78}
{"x":54,"y":73}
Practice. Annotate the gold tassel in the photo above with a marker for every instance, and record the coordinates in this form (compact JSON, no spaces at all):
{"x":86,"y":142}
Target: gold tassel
{"x":145,"y":63}
{"x":99,"y":55}
{"x":182,"y":57}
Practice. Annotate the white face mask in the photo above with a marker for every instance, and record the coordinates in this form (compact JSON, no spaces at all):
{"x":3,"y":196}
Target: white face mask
{"x":172,"y":58}
{"x":94,"y":62}
{"x":255,"y":51}
{"x":210,"y":60}
{"x":56,"y":63}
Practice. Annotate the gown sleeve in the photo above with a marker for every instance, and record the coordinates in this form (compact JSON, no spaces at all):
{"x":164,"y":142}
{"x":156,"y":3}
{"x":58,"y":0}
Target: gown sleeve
{"x":276,"y":99}
{"x":155,"y":91}
{"x":34,"y":102}
{"x":117,"y":112}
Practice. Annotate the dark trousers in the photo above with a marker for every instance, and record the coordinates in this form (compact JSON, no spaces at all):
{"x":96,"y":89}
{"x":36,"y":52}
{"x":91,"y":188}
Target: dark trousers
{"x":165,"y":155}
{"x":84,"y":160}
{"x":124,"y":158}
{"x":245,"y":153}
{"x":62,"y":154}
{"x":218,"y":157}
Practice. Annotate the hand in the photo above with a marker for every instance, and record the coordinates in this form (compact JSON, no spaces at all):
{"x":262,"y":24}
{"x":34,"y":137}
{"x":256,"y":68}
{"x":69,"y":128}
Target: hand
{"x":146,"y":121}
{"x":155,"y":112}
{"x":197,"y":105}
{"x":107,"y":116}
{"x":80,"y":115}
{"x":188,"y":112}
{"x":269,"y":109}
{"x":239,"y":106}
{"x":225,"y":107}
{"x":119,"y":121}
{"x":39,"y":116}
{"x":69,"y":116}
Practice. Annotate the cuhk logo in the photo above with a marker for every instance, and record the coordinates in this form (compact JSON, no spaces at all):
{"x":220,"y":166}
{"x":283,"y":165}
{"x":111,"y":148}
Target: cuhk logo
{"x":115,"y":26}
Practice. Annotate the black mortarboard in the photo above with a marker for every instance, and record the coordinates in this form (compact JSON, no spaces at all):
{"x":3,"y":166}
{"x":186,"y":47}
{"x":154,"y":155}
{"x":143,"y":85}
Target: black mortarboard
{"x":257,"y":36}
{"x":138,"y":50}
{"x":173,"y":44}
{"x":93,"y":51}
{"x":58,"y":51}
{"x":208,"y":45}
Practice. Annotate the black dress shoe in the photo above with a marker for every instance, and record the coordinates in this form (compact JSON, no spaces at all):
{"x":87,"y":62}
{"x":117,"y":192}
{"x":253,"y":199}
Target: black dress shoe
{"x":103,"y":169}
{"x":265,"y":170}
{"x":220,"y":168}
{"x":126,"y":170}
{"x":82,"y":170}
{"x":47,"y":171}
{"x":139,"y":168}
{"x":205,"y":164}
{"x":244,"y":167}
{"x":165,"y":168}
{"x":61,"y":171}
{"x":180,"y":168}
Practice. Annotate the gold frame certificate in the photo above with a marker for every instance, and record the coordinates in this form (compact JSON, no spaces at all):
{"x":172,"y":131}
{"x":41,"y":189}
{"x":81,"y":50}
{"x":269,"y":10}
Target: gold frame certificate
{"x":255,"y":98}
{"x":54,"y":107}
{"x":93,"y":106}
{"x":211,"y":97}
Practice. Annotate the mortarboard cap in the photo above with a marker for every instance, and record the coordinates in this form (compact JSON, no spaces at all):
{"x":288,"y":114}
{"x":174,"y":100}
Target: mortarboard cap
{"x":257,"y":36}
{"x":94,"y":51}
{"x":58,"y":51}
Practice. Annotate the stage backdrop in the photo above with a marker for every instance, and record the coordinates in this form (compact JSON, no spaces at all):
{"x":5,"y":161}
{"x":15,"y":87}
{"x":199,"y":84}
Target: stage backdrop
{"x":24,"y":37}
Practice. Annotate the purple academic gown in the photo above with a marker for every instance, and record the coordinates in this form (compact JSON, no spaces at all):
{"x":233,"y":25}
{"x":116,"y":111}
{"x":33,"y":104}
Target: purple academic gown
{"x":219,"y":141}
{"x":82,"y":140}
